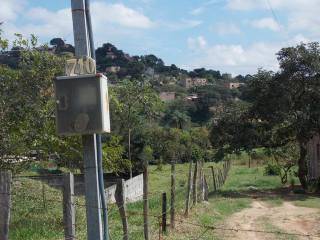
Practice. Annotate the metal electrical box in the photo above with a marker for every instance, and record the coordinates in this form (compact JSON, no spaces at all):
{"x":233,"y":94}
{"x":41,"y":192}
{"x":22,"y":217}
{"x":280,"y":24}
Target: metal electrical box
{"x":82,"y":104}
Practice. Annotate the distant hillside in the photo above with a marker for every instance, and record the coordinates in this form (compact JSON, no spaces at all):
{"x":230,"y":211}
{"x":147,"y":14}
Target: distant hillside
{"x":118,"y":65}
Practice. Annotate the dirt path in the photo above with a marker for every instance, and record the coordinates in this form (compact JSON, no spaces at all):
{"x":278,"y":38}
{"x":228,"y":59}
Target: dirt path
{"x":285,"y":218}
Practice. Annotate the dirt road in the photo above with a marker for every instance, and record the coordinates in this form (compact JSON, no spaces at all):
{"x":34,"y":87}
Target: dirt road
{"x":265,"y":217}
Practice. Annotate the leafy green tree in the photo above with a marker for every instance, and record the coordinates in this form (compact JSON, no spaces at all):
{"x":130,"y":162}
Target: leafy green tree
{"x":285,"y":159}
{"x":283,"y":107}
{"x":27,"y":109}
{"x":133,"y":103}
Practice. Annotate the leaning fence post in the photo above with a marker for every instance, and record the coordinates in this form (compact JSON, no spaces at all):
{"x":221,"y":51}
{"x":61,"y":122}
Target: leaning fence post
{"x":121,"y":203}
{"x":222,"y":178}
{"x":5,"y":201}
{"x":213,"y":179}
{"x":195,"y":184}
{"x":164,"y":212}
{"x":206,"y":189}
{"x":188,"y":197}
{"x":69,"y":214}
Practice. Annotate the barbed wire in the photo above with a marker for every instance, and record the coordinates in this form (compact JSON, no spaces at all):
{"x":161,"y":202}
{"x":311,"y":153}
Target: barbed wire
{"x":155,"y":226}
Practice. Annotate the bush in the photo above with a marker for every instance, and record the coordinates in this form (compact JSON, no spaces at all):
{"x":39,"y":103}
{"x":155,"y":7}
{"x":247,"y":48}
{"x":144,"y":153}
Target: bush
{"x":272,"y":170}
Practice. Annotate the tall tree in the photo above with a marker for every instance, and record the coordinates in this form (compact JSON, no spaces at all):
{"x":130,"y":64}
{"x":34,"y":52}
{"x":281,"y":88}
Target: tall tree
{"x":133,"y":102}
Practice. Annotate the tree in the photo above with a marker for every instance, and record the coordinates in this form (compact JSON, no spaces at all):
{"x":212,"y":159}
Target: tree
{"x":132,"y":102}
{"x":27,"y":119}
{"x":285,"y":158}
{"x":235,"y":131}
{"x":284,"y":106}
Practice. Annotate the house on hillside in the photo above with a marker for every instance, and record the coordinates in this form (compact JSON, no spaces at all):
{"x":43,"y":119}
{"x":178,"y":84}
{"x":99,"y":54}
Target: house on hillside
{"x":192,"y":97}
{"x":233,"y":85}
{"x":113,"y":69}
{"x":194,"y":82}
{"x":167,"y":96}
{"x":313,"y":158}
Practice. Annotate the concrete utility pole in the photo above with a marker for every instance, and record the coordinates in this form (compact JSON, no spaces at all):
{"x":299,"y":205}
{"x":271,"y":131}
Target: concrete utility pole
{"x":93,"y":205}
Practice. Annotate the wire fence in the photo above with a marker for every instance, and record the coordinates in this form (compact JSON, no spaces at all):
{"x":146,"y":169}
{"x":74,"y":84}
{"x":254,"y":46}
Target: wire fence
{"x":37,"y":212}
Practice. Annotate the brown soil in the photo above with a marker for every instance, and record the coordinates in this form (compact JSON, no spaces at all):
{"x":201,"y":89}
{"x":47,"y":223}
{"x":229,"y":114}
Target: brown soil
{"x":286,"y":218}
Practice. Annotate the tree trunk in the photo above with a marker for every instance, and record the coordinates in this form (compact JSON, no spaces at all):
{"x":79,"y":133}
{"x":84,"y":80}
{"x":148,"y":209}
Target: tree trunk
{"x":302,"y":171}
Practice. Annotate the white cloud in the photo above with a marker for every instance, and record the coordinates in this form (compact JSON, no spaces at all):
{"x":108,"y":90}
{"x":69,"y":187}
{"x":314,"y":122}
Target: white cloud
{"x":109,"y":22}
{"x":9,"y":9}
{"x":197,"y":11}
{"x":237,"y":58}
{"x":45,"y":23}
{"x":197,"y":43}
{"x":266,"y":23}
{"x":245,"y":4}
{"x":226,"y":28}
{"x":302,"y":15}
{"x":182,"y":24}
{"x":121,"y":15}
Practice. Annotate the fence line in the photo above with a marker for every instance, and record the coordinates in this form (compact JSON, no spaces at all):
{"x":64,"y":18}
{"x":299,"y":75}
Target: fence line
{"x":156,"y":226}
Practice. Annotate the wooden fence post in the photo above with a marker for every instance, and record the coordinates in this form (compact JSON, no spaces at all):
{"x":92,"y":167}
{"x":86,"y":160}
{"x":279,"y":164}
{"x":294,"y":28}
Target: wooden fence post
{"x":220,"y":178}
{"x":121,"y":203}
{"x":69,"y":215}
{"x":205,"y":189}
{"x":201,"y":185}
{"x":145,"y":202}
{"x":188,"y":197}
{"x":43,"y":196}
{"x":164,"y":212}
{"x":5,"y":201}
{"x":213,"y":179}
{"x":224,"y":171}
{"x":195,"y":185}
{"x":173,"y":193}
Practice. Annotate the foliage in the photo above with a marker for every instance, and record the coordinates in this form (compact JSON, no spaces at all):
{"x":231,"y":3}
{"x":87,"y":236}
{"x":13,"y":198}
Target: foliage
{"x":235,"y":132}
{"x":283,"y":107}
{"x":272,"y":170}
{"x":146,"y":155}
{"x":134,"y":105}
{"x":27,"y":119}
{"x":113,"y":152}
{"x":285,"y":158}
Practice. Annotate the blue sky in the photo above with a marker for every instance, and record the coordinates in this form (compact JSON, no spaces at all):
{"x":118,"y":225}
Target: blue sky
{"x":236,"y":36}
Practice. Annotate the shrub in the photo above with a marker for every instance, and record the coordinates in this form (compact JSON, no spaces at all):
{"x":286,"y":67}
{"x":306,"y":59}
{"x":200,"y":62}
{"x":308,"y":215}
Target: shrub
{"x":272,"y":170}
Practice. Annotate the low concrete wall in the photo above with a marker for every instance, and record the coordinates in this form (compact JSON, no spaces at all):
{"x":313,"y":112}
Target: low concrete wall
{"x":133,"y":187}
{"x":133,"y":190}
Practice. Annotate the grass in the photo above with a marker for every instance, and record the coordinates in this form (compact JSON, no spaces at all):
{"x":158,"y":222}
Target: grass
{"x":35,"y":217}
